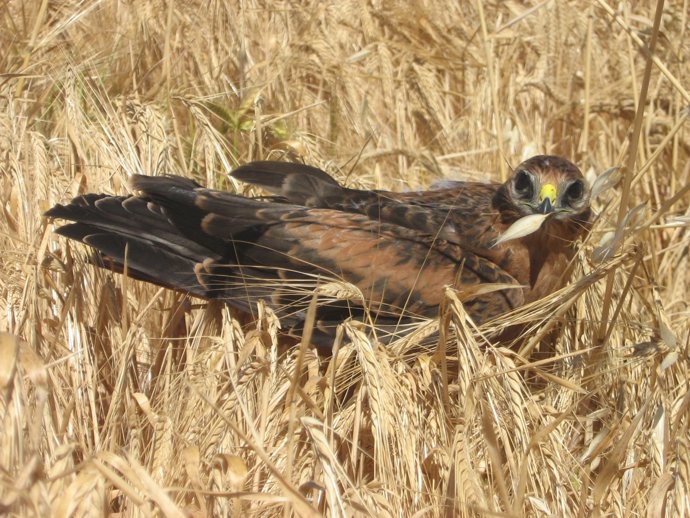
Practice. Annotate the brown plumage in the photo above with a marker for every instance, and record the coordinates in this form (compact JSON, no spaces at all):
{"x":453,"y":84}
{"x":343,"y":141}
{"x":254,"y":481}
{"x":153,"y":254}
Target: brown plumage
{"x":399,"y":249}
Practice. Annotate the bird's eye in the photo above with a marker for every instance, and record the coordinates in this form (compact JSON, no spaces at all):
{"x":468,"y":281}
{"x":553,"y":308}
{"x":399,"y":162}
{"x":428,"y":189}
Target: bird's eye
{"x":523,"y":185}
{"x":575,"y":190}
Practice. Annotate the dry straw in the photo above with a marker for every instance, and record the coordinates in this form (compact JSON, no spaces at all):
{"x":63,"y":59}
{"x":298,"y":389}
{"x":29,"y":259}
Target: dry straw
{"x":121,"y":398}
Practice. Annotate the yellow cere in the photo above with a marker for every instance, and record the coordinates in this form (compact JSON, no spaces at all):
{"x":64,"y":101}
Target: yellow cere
{"x":548,"y":190}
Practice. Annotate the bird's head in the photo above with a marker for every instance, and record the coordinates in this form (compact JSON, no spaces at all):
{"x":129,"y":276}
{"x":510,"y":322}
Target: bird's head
{"x":549,"y":185}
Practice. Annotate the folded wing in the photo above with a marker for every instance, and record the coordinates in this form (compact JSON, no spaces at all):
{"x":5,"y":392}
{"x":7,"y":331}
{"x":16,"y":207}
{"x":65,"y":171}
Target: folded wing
{"x":460,"y":212}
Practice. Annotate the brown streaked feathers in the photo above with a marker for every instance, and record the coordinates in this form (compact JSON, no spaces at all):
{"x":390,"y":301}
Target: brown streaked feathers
{"x":399,"y":249}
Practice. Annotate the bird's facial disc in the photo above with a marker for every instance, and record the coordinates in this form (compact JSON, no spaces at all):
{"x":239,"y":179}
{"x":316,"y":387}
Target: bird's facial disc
{"x":563,"y":198}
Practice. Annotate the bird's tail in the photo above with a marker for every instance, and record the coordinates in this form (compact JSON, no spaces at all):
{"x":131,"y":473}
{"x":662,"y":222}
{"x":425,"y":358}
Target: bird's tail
{"x":135,"y":234}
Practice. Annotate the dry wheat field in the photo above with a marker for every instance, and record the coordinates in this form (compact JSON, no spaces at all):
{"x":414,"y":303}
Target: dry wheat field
{"x":119,"y":398}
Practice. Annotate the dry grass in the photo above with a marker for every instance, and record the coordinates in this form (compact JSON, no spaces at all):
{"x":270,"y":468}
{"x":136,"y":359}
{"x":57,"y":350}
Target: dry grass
{"x":119,"y":397}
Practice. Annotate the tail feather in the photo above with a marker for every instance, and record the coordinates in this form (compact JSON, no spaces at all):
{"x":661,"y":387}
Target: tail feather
{"x":131,"y":233}
{"x":149,"y":262}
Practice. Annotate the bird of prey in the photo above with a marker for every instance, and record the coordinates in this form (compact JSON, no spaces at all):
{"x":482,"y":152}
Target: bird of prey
{"x":399,"y":249}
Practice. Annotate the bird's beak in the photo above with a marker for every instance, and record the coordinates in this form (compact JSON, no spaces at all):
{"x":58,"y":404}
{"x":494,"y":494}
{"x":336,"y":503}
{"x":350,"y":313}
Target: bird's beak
{"x":547,"y":197}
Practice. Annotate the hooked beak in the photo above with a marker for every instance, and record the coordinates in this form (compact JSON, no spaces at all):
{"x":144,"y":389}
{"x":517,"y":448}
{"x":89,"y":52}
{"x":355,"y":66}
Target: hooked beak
{"x":547,"y":197}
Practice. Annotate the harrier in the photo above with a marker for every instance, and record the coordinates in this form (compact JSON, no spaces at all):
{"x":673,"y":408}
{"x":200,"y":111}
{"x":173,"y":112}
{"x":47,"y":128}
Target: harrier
{"x":396,"y":250}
